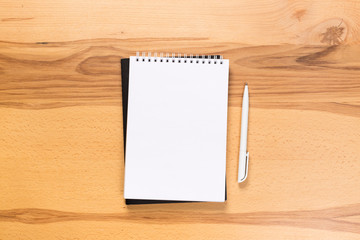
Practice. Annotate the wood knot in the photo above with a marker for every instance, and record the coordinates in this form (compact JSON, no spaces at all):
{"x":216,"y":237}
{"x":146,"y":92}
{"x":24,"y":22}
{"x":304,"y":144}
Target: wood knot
{"x":333,"y":35}
{"x":329,"y":32}
{"x":299,"y":14}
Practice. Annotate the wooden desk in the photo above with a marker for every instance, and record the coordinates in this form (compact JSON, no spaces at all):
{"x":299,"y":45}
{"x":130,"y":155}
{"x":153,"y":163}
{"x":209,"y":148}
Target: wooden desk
{"x":61,"y":156}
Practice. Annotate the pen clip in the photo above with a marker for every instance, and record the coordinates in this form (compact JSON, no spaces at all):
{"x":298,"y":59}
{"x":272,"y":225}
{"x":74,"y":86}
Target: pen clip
{"x":246,"y":168}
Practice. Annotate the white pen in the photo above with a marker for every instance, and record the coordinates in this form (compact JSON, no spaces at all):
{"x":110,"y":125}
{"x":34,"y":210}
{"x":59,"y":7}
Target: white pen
{"x":243,"y":154}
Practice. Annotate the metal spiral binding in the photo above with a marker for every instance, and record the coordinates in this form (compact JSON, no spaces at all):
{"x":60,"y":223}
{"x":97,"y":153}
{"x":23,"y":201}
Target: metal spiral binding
{"x":180,"y":58}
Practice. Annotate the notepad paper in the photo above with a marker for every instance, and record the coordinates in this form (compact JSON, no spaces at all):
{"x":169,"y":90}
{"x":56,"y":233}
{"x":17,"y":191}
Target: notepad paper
{"x":176,"y":129}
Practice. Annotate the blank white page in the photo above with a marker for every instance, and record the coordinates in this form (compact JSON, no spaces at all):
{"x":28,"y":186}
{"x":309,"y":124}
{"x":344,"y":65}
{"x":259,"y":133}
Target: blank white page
{"x":176,"y":129}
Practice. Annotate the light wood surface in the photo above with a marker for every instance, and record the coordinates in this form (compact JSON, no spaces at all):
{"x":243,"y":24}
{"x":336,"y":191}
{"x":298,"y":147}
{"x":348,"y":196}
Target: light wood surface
{"x":61,"y":149}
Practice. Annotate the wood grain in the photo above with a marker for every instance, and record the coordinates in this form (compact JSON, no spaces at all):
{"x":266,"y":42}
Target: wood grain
{"x":61,"y":149}
{"x":320,"y":219}
{"x":292,"y":75}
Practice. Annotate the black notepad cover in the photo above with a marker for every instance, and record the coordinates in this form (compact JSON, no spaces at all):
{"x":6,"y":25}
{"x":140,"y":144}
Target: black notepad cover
{"x":125,"y":66}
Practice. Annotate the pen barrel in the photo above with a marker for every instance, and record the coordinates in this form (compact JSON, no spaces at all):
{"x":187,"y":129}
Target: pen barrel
{"x":243,"y":137}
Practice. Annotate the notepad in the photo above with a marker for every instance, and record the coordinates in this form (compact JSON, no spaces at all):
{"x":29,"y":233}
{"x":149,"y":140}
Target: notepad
{"x":176,"y":129}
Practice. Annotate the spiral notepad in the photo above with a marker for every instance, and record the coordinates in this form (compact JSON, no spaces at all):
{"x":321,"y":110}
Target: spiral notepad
{"x":176,"y":128}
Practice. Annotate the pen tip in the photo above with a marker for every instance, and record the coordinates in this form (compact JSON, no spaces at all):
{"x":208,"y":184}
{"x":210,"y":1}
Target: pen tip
{"x":246,"y":83}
